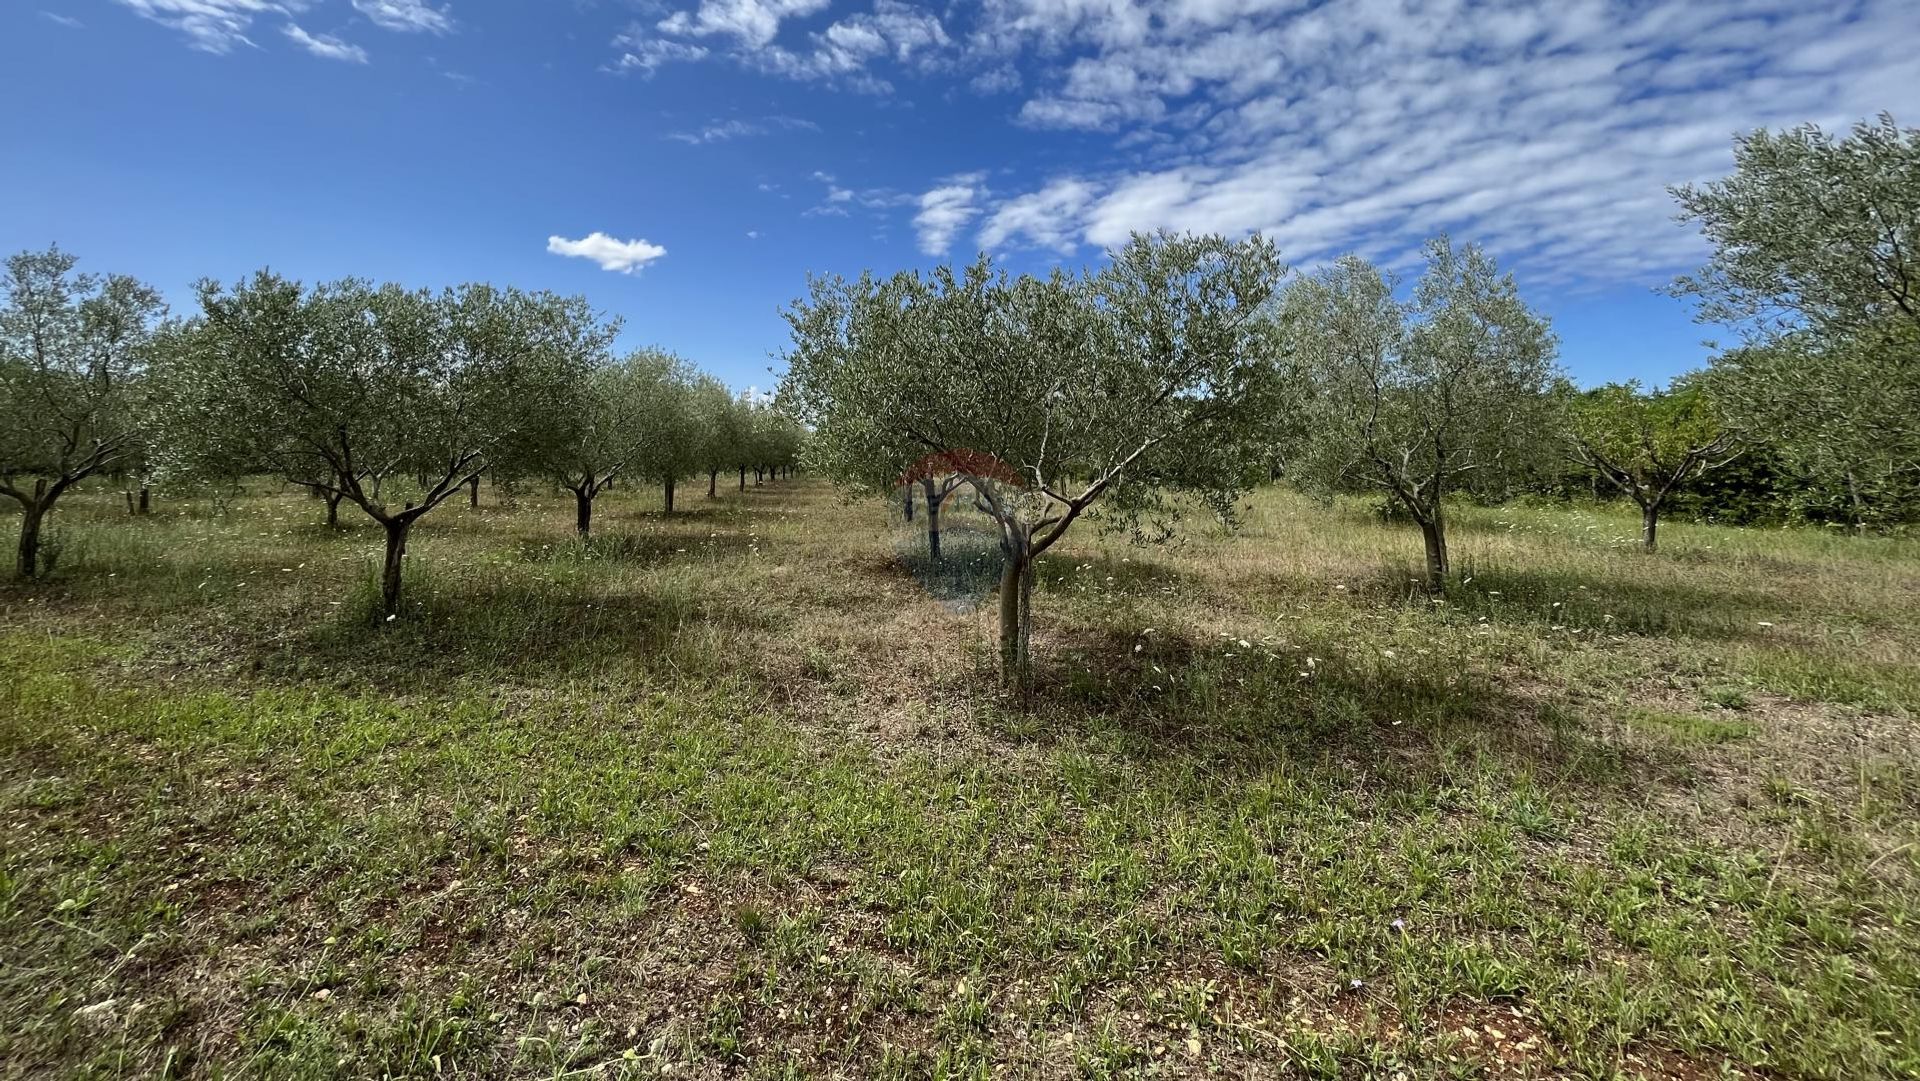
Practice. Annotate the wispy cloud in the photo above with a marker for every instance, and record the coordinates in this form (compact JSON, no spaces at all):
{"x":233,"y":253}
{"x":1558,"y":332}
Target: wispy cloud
{"x":213,"y":26}
{"x":406,"y":16}
{"x":325,"y":46}
{"x":722,"y":130}
{"x":947,"y":209}
{"x":646,"y":55}
{"x":67,"y":21}
{"x":622,"y":256}
{"x":1548,"y":133}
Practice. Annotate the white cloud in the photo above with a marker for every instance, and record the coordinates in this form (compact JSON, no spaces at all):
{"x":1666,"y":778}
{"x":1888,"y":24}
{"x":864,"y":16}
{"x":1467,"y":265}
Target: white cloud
{"x":647,"y":55}
{"x":753,"y":22}
{"x":1548,"y":133}
{"x":947,"y":209}
{"x":405,"y":15}
{"x":721,"y":130}
{"x":625,"y":256}
{"x":67,"y":21}
{"x":325,"y":46}
{"x":214,"y":26}
{"x":841,"y":52}
{"x":1047,"y":217}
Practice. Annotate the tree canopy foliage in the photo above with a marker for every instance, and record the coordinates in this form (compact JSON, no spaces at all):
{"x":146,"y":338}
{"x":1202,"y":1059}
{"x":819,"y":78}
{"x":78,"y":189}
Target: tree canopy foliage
{"x":1100,"y":394}
{"x":73,"y":348}
{"x":1418,"y":397}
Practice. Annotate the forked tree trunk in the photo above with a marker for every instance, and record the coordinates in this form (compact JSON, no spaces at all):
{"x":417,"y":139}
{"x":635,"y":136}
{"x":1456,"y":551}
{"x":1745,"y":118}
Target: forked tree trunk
{"x":333,"y":509}
{"x":396,"y":558}
{"x":473,"y":490}
{"x":669,"y":491}
{"x":1649,"y":525}
{"x":582,"y":511}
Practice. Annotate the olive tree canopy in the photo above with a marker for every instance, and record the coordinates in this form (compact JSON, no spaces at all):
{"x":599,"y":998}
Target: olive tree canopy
{"x":1095,"y":395}
{"x":1423,"y":397}
{"x":1648,"y":444}
{"x":1815,"y":265}
{"x":72,"y":351}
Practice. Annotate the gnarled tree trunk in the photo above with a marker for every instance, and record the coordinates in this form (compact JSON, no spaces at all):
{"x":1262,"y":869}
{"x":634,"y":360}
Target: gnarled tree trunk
{"x":582,"y":511}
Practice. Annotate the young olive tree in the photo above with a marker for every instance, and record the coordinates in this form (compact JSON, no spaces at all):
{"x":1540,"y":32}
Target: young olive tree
{"x":609,"y":435}
{"x":668,"y":430}
{"x":1417,"y":398}
{"x":356,"y":391}
{"x":1092,"y":395}
{"x":73,"y":348}
{"x":718,"y":424}
{"x":1648,"y":444}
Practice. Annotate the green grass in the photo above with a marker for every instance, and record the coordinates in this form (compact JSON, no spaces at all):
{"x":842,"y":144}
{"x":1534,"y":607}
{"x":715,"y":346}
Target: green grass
{"x":729,"y":794}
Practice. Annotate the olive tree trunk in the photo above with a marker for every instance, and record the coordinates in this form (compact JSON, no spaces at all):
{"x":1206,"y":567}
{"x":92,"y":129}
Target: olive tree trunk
{"x":933,"y":519}
{"x":1649,"y":525}
{"x":582,"y":511}
{"x":1434,"y":529}
{"x":33,"y":513}
{"x":669,"y":494}
{"x":333,"y":509}
{"x":1016,"y":615}
{"x":396,"y":557}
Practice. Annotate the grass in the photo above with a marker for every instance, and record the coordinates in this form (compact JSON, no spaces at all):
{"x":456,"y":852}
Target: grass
{"x":727,"y":793}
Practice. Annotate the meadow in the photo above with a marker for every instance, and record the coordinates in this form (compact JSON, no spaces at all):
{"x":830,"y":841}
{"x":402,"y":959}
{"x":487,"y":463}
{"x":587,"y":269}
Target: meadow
{"x":731,"y":793}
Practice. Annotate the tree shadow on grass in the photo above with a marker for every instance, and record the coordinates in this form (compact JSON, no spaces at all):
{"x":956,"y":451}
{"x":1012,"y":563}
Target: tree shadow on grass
{"x":515,"y":630}
{"x":1243,"y":707}
{"x":636,"y":549}
{"x":1569,"y":599}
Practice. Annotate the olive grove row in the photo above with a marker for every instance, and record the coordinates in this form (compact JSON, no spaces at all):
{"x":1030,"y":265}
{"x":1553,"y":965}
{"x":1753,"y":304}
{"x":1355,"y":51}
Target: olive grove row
{"x":390,"y":399}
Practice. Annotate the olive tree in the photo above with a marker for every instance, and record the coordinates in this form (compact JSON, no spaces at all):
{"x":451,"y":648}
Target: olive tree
{"x":72,"y":351}
{"x":1417,"y":398}
{"x":388,"y":398}
{"x":1648,"y":444}
{"x":611,"y":434}
{"x":1097,"y":395}
{"x":668,"y":430}
{"x":719,"y":427}
{"x":1815,"y":266}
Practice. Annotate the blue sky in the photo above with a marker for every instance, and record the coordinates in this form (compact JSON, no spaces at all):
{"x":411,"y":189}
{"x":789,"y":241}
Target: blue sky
{"x":685,"y":163}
